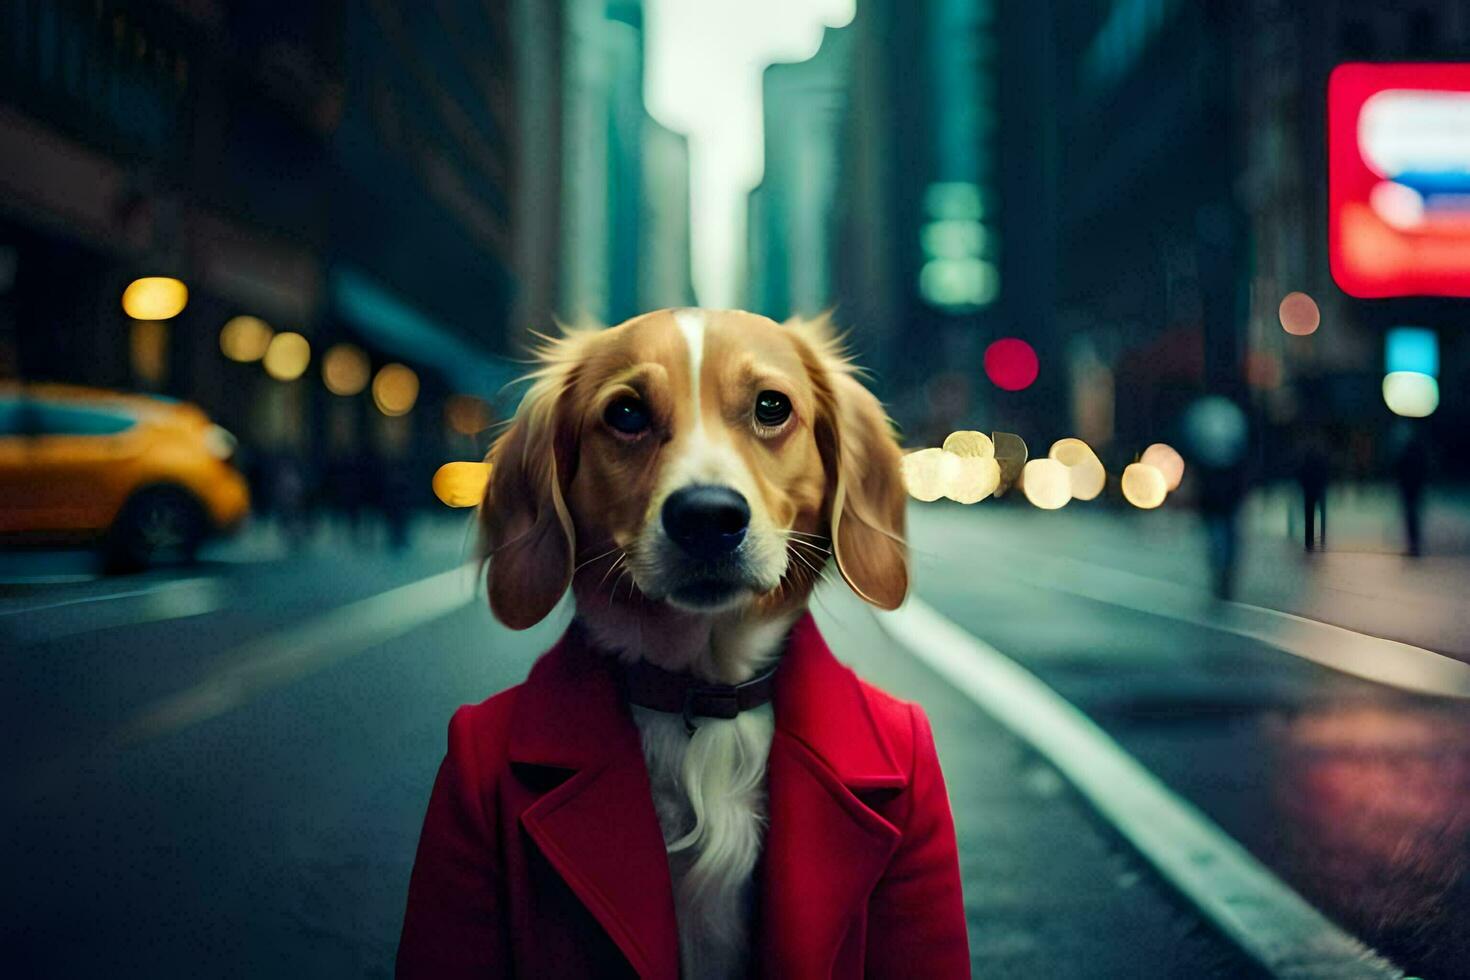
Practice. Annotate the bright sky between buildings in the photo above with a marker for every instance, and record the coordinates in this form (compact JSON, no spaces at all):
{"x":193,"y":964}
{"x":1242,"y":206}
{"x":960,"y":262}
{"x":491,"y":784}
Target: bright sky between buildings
{"x":703,"y":78}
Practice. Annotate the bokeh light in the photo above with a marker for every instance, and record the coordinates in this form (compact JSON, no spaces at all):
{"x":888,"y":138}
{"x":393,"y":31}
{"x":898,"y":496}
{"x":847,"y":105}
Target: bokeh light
{"x":1410,"y":394}
{"x":1299,"y":314}
{"x":1216,"y":431}
{"x":461,"y":484}
{"x":968,"y":442}
{"x":155,"y":298}
{"x":1047,"y":483}
{"x":245,"y":338}
{"x":345,"y":369}
{"x":1166,"y":459}
{"x":287,"y":356}
{"x":972,"y":479}
{"x":1011,"y":364}
{"x":933,"y":473}
{"x":395,"y":389}
{"x":1144,"y":486}
{"x":1084,"y":469}
{"x":466,"y":414}
{"x":921,"y":474}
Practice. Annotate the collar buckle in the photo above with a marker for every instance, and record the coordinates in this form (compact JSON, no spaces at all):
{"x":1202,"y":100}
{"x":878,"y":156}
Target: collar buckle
{"x":712,"y":702}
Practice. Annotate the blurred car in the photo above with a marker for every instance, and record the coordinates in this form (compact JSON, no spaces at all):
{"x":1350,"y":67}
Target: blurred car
{"x":147,"y":479}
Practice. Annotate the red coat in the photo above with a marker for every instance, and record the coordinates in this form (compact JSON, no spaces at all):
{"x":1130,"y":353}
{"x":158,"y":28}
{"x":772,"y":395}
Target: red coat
{"x":541,"y":854}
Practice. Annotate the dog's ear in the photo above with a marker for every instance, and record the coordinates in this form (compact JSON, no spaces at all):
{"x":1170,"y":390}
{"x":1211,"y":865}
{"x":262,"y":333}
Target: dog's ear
{"x":526,"y":531}
{"x":865,"y":489}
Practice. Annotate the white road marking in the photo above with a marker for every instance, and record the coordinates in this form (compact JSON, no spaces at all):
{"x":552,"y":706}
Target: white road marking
{"x":1373,"y":658}
{"x":287,"y":655}
{"x":104,"y":597}
{"x":178,"y":599}
{"x":1245,"y":901}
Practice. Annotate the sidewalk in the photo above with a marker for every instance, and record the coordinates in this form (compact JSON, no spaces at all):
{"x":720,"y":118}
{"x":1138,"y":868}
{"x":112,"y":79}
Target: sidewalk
{"x":1362,"y":582}
{"x":1049,"y":890}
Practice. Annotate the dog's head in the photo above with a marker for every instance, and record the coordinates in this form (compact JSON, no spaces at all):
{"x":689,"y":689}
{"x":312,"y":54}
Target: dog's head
{"x":694,"y":459}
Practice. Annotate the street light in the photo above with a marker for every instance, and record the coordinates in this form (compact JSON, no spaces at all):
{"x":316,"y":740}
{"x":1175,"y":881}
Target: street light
{"x":155,"y":298}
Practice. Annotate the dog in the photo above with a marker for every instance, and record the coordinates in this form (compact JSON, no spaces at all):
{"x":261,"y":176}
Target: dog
{"x":689,"y":475}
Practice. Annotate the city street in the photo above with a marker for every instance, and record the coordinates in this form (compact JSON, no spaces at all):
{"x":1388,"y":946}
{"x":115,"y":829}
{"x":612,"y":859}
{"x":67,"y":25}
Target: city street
{"x":221,"y":770}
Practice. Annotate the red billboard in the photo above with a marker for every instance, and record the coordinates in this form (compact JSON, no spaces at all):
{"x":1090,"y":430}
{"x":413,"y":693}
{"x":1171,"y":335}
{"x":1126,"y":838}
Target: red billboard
{"x":1398,"y":149}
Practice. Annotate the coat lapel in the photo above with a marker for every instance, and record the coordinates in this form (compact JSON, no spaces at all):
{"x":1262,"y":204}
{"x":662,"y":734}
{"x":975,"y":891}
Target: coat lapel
{"x":597,"y":828}
{"x":825,"y":849}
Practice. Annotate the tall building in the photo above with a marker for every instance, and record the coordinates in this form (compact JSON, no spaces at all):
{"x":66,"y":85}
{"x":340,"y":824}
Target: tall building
{"x":625,"y":178}
{"x":603,"y":128}
{"x":665,"y":278}
{"x":791,"y":220}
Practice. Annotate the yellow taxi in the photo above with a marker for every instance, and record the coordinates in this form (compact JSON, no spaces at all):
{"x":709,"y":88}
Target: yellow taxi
{"x":146,"y":478}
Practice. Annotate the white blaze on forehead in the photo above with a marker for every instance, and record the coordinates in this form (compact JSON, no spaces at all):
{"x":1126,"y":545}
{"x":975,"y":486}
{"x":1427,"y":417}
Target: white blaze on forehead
{"x":691,"y":325}
{"x":706,"y":455}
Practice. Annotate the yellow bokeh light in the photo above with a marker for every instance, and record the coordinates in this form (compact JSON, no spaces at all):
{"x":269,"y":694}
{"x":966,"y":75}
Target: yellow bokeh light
{"x":933,"y":473}
{"x":461,"y":484}
{"x":972,"y":479}
{"x":970,"y":443}
{"x":1088,"y":479}
{"x":1047,"y":483}
{"x":467,"y":414}
{"x":395,"y":389}
{"x":1084,"y":469}
{"x":155,"y":298}
{"x":1166,"y":459}
{"x":345,"y":369}
{"x":1070,"y":452}
{"x":245,"y":338}
{"x":1144,"y":486}
{"x":922,"y":474}
{"x":287,"y":356}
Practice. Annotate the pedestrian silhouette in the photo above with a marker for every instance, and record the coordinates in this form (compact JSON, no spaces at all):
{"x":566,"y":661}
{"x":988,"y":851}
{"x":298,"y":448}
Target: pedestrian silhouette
{"x":1218,"y":436}
{"x":1314,"y":469}
{"x":1411,"y":473}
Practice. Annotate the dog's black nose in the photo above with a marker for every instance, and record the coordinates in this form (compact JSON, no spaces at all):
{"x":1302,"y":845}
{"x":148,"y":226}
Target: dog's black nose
{"x":706,"y":522}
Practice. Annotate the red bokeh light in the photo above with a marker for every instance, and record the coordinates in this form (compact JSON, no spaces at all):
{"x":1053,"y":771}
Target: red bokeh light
{"x":1011,"y":364}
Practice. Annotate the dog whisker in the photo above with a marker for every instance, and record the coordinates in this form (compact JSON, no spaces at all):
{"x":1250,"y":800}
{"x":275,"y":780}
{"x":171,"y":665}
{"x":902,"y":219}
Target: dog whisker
{"x":803,"y":559}
{"x":589,"y":561}
{"x":612,"y":568}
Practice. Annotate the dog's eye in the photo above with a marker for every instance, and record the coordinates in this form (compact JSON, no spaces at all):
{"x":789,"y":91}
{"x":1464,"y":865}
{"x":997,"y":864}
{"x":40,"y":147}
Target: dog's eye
{"x":627,"y":415}
{"x":772,"y":409}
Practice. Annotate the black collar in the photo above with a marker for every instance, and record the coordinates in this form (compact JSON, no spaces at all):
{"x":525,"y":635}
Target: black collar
{"x":649,"y":686}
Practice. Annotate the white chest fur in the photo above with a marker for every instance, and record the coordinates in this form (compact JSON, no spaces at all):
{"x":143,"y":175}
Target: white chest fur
{"x":709,"y":791}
